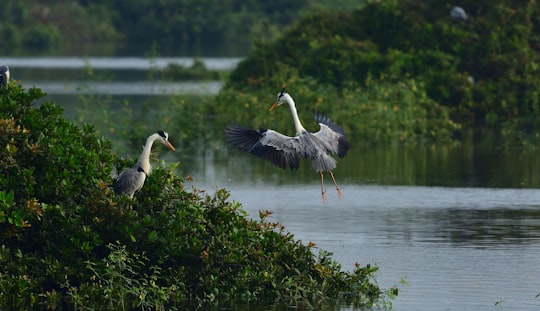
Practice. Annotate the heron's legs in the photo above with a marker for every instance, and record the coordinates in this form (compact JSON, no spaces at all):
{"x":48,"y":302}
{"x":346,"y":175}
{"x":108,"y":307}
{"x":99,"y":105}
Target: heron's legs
{"x":322,"y":188}
{"x":335,"y":183}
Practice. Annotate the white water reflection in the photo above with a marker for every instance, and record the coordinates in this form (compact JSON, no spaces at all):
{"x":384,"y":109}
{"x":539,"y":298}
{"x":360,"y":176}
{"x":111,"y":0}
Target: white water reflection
{"x":126,"y":87}
{"x":117,"y":63}
{"x":66,"y":75}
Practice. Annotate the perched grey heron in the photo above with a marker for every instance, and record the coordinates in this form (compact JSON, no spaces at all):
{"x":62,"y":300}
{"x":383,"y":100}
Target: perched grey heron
{"x":458,"y":14}
{"x":133,"y":179}
{"x":285,"y":151}
{"x":4,"y":75}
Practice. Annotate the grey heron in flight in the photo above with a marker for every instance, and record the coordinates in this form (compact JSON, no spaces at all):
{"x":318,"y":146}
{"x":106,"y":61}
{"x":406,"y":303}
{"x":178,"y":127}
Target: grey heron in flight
{"x":4,"y":75}
{"x":133,"y":179}
{"x":285,"y":151}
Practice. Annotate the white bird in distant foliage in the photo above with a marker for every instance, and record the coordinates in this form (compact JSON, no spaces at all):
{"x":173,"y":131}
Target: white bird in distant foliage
{"x":458,"y":14}
{"x":133,"y":179}
{"x":285,"y":151}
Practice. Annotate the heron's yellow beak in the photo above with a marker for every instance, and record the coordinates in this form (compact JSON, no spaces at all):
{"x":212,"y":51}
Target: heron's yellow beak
{"x":274,"y":106}
{"x":168,"y":144}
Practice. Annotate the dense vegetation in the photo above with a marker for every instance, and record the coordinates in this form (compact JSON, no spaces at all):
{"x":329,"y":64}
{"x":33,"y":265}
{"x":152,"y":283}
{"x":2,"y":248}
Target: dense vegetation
{"x":178,"y":26}
{"x":390,"y":71}
{"x":402,"y":71}
{"x":67,"y":242}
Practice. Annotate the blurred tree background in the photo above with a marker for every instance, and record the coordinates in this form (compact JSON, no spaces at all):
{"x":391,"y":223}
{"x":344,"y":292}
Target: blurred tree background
{"x":403,"y":70}
{"x":189,"y":27}
{"x":394,"y":70}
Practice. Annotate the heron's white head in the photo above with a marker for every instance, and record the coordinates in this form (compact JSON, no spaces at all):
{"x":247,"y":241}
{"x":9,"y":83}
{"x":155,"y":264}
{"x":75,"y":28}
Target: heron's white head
{"x":282,"y":97}
{"x":164,"y":139}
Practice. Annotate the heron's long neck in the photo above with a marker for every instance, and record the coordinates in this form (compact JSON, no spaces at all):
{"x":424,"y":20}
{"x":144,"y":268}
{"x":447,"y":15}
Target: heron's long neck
{"x":144,"y":158}
{"x":297,"y":124}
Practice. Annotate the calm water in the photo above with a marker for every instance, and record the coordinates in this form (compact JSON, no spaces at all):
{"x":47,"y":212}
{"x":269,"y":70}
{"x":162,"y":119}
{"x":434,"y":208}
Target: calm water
{"x":460,"y":223}
{"x":115,"y":63}
{"x":459,"y":248}
{"x":110,"y":75}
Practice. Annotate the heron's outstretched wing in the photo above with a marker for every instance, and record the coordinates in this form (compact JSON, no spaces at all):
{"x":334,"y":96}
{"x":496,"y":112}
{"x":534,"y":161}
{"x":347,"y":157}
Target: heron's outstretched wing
{"x":331,"y":134}
{"x":279,"y":149}
{"x":130,"y":181}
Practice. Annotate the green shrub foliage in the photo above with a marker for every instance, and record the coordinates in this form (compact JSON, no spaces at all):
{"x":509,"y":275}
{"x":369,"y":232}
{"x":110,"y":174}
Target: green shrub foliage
{"x":66,"y":241}
{"x":482,"y":72}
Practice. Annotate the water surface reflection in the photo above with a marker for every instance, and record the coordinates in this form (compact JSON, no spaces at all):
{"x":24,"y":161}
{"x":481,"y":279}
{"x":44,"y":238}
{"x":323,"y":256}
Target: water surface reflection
{"x":117,"y":63}
{"x":126,"y":88}
{"x":460,"y":222}
{"x":459,"y":248}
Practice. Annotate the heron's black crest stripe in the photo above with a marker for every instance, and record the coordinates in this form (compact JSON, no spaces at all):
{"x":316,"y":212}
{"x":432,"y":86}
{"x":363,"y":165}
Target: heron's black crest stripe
{"x":162,"y":134}
{"x":282,"y":92}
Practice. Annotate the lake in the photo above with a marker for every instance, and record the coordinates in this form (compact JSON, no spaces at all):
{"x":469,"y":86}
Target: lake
{"x":460,"y":223}
{"x":110,"y":75}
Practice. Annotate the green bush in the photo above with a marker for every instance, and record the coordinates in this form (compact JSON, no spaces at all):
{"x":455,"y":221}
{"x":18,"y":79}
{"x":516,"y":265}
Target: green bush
{"x":483,"y":72}
{"x":41,"y":38}
{"x":197,"y":71}
{"x":379,"y":111}
{"x":68,"y":242}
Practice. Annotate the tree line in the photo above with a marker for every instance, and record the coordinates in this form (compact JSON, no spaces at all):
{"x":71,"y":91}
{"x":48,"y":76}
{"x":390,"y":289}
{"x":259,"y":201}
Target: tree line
{"x":407,"y":71}
{"x":180,"y":26}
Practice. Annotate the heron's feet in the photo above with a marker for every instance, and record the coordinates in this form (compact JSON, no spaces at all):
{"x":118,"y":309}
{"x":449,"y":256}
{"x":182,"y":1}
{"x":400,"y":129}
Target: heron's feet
{"x":339,"y":194}
{"x":324,"y":198}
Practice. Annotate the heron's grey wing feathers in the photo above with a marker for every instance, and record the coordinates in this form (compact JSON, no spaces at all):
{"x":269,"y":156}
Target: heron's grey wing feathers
{"x":277,"y":148}
{"x":130,"y":181}
{"x":321,"y":118}
{"x":331,"y":134}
